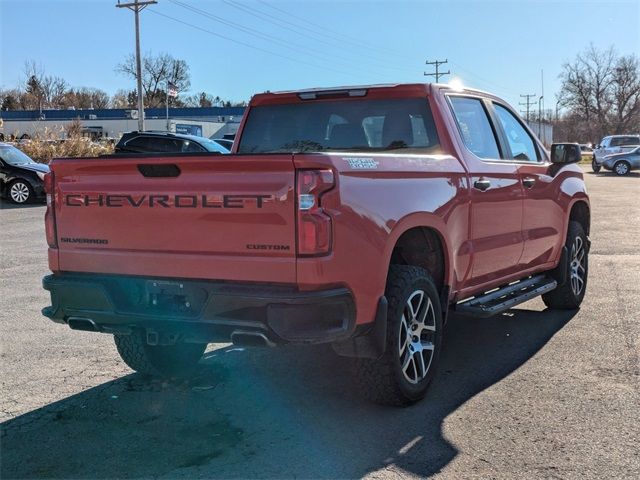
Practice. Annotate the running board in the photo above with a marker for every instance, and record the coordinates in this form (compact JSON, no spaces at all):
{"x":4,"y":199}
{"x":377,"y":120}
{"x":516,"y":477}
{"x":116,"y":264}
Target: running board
{"x":502,"y":299}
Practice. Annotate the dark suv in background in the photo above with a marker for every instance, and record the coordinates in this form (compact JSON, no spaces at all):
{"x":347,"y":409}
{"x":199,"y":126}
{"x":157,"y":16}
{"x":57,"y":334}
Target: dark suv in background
{"x":166,"y":142}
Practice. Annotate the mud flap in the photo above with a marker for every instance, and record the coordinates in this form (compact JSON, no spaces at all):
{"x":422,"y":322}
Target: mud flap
{"x":372,"y":341}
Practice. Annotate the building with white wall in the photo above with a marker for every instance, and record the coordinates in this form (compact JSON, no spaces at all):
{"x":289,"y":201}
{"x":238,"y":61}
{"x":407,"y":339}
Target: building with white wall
{"x":112,"y":123}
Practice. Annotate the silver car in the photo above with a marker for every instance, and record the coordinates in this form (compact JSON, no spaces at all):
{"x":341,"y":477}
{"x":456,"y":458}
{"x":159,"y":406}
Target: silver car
{"x":610,"y":145}
{"x":622,"y":163}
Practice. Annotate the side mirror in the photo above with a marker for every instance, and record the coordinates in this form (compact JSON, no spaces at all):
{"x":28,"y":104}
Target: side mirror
{"x":565,"y":153}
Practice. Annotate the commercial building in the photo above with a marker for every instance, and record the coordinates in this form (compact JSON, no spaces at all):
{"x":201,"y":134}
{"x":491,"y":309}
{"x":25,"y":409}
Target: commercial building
{"x":112,"y":123}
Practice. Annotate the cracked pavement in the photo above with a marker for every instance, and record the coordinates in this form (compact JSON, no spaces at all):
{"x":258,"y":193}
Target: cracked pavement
{"x":531,"y":393}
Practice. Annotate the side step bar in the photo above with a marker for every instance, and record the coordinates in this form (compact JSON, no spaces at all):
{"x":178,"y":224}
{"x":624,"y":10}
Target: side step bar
{"x":502,"y":299}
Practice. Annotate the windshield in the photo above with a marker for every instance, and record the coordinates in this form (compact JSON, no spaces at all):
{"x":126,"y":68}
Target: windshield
{"x":13,"y":156}
{"x":354,"y":125}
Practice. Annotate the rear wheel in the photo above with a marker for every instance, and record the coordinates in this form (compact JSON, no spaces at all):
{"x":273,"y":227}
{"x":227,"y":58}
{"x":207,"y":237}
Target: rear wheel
{"x":158,"y":360}
{"x":622,"y":168}
{"x":594,"y":165}
{"x":414,"y":336}
{"x":571,"y":293}
{"x":20,"y":192}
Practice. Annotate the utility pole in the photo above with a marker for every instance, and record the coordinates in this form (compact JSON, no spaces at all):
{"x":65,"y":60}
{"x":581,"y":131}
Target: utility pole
{"x":136,"y":7}
{"x":540,"y":116}
{"x":437,"y":73}
{"x":528,"y":103}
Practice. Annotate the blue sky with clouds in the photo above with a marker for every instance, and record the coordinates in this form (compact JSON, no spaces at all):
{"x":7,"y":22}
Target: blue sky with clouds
{"x":239,"y":47}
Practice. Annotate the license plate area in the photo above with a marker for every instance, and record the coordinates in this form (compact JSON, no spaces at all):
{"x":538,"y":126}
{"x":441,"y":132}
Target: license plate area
{"x":171,"y":298}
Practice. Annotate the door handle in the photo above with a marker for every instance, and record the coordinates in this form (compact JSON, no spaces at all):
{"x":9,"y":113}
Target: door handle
{"x":481,"y":185}
{"x":528,"y":182}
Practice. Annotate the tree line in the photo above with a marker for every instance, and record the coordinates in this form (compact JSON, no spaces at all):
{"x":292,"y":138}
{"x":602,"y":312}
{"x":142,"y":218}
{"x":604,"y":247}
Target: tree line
{"x":41,"y":91}
{"x":599,"y":95}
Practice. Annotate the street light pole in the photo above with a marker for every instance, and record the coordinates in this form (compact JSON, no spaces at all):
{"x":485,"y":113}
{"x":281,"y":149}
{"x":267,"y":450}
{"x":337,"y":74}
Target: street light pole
{"x":137,"y":6}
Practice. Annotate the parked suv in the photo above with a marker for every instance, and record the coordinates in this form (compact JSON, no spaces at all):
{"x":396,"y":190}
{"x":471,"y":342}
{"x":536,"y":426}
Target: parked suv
{"x":166,"y":142}
{"x":611,"y":145}
{"x":623,"y":163}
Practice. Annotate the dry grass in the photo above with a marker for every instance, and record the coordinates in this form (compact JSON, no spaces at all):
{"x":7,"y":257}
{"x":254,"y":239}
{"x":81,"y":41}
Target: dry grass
{"x":48,"y":146}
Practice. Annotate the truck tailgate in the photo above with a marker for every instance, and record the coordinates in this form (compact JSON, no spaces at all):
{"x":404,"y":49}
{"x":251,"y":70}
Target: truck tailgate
{"x":227,"y":217}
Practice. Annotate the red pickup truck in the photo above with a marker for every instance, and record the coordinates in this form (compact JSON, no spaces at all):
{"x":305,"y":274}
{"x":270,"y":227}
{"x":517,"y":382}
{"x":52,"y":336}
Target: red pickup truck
{"x":356,"y":216}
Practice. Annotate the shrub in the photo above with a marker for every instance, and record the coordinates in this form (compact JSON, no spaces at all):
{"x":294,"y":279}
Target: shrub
{"x":47,"y":146}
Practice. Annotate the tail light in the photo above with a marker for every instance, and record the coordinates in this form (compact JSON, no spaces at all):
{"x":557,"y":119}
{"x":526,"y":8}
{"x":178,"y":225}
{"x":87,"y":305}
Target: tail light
{"x":314,"y":225}
{"x":50,"y":215}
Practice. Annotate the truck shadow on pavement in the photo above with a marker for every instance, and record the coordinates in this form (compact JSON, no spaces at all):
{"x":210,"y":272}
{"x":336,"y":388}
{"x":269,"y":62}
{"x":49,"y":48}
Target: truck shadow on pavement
{"x":281,"y":413}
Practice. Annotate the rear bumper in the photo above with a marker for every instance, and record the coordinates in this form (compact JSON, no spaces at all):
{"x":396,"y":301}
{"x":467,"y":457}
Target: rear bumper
{"x":199,"y":311}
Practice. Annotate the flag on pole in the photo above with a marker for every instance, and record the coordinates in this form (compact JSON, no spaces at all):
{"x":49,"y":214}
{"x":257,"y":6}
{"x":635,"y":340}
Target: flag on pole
{"x":172,"y":90}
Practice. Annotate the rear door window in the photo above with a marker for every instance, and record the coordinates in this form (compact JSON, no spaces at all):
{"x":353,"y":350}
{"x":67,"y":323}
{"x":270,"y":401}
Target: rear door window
{"x":624,"y":141}
{"x":475,"y":127}
{"x":521,"y":144}
{"x":354,"y":125}
{"x":138,"y":144}
{"x":154,"y":145}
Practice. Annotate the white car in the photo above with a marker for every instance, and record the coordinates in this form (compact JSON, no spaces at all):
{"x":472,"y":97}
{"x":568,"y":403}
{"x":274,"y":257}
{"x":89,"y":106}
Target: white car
{"x":611,"y":145}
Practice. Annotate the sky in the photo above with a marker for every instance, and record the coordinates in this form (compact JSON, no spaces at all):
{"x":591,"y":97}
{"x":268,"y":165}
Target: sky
{"x":236,"y":48}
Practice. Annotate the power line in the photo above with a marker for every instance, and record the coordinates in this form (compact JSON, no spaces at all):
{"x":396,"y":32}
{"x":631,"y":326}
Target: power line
{"x":332,"y":59}
{"x":295,"y":28}
{"x":318,"y":34}
{"x":437,"y":73}
{"x":527,"y":103}
{"x":322,"y":29}
{"x":502,"y":88}
{"x":248,"y":45}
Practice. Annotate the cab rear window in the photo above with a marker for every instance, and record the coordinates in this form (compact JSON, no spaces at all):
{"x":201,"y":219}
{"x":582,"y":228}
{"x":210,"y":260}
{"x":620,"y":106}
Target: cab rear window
{"x":354,"y":125}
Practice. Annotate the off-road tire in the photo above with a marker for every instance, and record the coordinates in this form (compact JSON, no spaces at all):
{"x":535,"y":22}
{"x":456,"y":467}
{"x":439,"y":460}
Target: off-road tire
{"x":621,"y":168}
{"x":158,"y":360}
{"x":563,"y":297}
{"x":594,"y":166}
{"x":23,"y":192}
{"x":382,"y":380}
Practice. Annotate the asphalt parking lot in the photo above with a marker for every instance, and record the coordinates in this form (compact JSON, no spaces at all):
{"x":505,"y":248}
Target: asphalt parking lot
{"x":530,"y":394}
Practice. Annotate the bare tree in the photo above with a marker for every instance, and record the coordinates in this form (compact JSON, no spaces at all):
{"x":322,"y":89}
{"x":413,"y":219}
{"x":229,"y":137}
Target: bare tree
{"x":42,"y":91}
{"x":626,"y":95}
{"x":86,"y":98}
{"x":124,"y":99}
{"x":600,"y":91}
{"x":156,"y":71}
{"x":202,"y":99}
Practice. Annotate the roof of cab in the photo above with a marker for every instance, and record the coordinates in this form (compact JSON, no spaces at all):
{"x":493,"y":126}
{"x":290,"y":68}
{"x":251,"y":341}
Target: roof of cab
{"x":384,"y":90}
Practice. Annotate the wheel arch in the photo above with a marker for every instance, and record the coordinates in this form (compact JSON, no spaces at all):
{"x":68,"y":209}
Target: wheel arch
{"x":621,"y":160}
{"x":33,"y":183}
{"x":420,"y":241}
{"x":581,"y":213}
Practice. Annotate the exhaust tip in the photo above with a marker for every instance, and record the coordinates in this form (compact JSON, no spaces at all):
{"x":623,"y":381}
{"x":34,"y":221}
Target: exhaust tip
{"x":85,"y":324}
{"x":251,"y":339}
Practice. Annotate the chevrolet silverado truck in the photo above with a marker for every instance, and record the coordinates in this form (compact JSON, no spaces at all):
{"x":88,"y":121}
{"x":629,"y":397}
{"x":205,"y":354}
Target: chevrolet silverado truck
{"x":356,"y":216}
